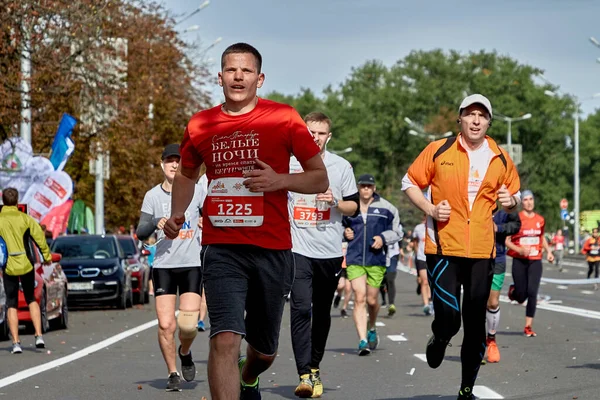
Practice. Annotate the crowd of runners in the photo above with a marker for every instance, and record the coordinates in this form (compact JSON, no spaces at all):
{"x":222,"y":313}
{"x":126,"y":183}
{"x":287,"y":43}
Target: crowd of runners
{"x":254,"y":211}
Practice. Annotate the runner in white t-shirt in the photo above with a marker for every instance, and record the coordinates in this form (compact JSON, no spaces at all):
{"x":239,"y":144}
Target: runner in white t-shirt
{"x":176,"y":269}
{"x":317,"y":233}
{"x":419,"y":235}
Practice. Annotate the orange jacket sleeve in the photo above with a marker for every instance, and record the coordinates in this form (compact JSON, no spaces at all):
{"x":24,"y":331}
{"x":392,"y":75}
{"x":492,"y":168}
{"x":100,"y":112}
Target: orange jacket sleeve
{"x":512,"y":181}
{"x":422,"y":169}
{"x":586,"y":247}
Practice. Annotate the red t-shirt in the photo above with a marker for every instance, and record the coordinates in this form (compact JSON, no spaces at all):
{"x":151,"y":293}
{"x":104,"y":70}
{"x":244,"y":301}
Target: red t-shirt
{"x":530,"y":236}
{"x":228,"y":145}
{"x":558,"y":242}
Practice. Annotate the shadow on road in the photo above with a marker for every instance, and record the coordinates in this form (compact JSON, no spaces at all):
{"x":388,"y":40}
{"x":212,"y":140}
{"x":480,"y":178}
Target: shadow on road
{"x":351,"y":351}
{"x":590,"y":366}
{"x":161,"y":383}
{"x":287,"y":392}
{"x":509,"y":333}
{"x":423,"y":397}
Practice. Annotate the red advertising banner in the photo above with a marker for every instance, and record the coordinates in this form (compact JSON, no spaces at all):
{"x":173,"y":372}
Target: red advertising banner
{"x":57,"y":219}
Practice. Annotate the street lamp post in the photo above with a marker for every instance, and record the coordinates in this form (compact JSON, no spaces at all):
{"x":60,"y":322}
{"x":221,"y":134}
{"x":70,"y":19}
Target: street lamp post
{"x":509,"y":121}
{"x":576,"y":188}
{"x":196,"y":11}
{"x":420,"y":132}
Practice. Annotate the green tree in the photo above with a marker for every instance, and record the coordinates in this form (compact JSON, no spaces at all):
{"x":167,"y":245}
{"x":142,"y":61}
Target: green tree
{"x":369,"y":109}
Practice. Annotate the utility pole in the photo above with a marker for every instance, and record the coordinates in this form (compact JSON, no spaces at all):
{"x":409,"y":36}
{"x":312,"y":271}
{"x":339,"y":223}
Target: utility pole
{"x":25,"y":87}
{"x":100,"y":168}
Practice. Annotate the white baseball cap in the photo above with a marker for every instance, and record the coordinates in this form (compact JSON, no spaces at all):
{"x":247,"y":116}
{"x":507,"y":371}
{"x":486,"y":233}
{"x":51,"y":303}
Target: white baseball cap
{"x":476,"y":99}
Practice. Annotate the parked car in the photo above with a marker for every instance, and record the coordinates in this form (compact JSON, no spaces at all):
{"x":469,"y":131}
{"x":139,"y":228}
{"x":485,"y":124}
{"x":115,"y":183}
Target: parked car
{"x":97,"y":268}
{"x":140,"y":271}
{"x":50,"y":293}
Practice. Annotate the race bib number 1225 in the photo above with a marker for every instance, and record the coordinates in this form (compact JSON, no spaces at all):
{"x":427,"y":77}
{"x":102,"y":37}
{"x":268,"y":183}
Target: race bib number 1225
{"x":230,"y":204}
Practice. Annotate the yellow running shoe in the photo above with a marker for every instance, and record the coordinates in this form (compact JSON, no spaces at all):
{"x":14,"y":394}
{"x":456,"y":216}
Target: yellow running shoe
{"x":304,"y":390}
{"x":315,"y":377}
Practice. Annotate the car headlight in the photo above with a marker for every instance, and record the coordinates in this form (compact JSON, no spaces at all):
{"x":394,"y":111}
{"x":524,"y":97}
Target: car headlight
{"x":110,"y":271}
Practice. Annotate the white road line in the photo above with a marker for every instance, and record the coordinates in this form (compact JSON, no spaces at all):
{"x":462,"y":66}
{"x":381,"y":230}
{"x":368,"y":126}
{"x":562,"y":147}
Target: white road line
{"x":484,"y":392}
{"x":19,"y":376}
{"x":412,"y":371}
{"x":581,"y":312}
{"x":379,"y":323}
{"x":562,"y":287}
{"x":587,"y":292}
{"x":571,"y":281}
{"x":397,"y":338}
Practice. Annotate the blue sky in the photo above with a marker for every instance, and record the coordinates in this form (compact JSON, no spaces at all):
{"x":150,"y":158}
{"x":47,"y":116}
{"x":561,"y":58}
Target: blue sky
{"x":308,"y":43}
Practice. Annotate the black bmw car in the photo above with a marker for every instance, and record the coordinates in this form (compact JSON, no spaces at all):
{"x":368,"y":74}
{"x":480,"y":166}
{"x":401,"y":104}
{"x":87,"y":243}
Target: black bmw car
{"x":97,"y":269}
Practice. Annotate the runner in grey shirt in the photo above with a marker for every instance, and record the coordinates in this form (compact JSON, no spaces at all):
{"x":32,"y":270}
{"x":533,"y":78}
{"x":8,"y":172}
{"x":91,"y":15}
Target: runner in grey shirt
{"x":418,"y":237}
{"x":317,"y":233}
{"x":176,"y":269}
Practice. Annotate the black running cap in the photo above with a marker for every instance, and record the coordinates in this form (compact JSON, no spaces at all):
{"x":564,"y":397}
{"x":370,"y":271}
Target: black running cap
{"x":171,"y":150}
{"x":366,"y":179}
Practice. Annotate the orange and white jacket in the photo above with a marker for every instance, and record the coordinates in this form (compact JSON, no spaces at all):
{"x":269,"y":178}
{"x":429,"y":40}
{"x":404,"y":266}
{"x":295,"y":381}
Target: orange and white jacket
{"x":443,"y":166}
{"x":591,"y":249}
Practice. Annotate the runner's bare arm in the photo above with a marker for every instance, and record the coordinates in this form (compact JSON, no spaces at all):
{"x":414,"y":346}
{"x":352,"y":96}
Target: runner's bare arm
{"x":349,"y":205}
{"x":181,"y":197}
{"x":510,"y":245}
{"x":549,"y":253}
{"x":183,"y":188}
{"x":346,"y":206}
{"x":415,"y":195}
{"x":546,"y":245}
{"x":439,"y":212}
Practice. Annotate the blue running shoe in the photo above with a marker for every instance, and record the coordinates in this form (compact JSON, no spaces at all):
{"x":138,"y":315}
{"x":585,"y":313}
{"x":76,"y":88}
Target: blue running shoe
{"x":373,"y":339}
{"x":201,"y":327}
{"x":363,"y":348}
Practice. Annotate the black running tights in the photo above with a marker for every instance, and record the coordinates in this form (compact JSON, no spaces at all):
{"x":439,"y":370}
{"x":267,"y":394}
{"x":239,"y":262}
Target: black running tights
{"x":526,"y":276}
{"x":446,"y":275}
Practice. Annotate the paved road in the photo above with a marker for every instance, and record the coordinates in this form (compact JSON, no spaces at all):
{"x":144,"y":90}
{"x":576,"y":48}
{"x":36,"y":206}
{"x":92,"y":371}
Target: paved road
{"x":561,"y":363}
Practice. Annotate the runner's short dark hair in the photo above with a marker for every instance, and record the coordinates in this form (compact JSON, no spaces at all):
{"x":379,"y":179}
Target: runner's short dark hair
{"x":10,"y":197}
{"x":240,"y":48}
{"x":317,"y":116}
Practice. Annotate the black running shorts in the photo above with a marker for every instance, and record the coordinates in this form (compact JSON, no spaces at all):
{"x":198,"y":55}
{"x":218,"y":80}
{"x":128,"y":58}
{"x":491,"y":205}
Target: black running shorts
{"x":421,"y":265}
{"x":11,"y":288}
{"x":250,"y":279}
{"x":174,"y":280}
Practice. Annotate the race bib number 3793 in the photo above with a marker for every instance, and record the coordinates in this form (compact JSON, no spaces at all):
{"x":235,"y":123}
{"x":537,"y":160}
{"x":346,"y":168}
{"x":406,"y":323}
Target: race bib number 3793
{"x":230,"y":204}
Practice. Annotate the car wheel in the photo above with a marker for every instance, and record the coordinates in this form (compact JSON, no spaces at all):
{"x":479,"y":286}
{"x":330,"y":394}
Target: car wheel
{"x":129,"y":298}
{"x":44,"y":312}
{"x":147,"y":294}
{"x":64,"y":313}
{"x":122,"y":300}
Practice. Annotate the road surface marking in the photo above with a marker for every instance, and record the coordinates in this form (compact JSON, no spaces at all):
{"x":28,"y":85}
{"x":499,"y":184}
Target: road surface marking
{"x":421,"y":357}
{"x":397,"y":338}
{"x":19,"y":376}
{"x":484,"y":392}
{"x":581,"y":312}
{"x":379,"y":323}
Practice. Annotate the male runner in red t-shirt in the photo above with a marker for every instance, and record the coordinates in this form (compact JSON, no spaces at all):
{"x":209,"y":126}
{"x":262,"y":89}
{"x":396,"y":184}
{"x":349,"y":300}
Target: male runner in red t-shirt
{"x":247,"y":261}
{"x":525,"y":247}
